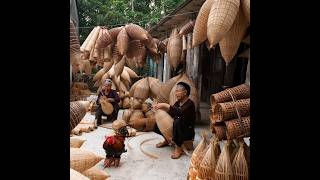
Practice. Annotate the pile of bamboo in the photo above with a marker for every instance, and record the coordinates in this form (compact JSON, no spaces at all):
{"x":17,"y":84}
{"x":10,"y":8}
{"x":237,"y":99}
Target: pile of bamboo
{"x":231,"y":113}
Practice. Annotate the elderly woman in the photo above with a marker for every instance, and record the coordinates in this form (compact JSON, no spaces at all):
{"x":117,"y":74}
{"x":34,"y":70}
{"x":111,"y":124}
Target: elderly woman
{"x":183,"y":113}
{"x":112,"y":97}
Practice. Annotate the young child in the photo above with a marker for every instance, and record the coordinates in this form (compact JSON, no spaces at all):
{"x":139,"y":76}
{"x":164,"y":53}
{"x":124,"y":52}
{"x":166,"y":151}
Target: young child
{"x":114,"y":145}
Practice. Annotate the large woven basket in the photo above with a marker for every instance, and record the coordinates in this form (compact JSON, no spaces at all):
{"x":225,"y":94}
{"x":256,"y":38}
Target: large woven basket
{"x":174,"y":49}
{"x":154,"y":85}
{"x":123,"y":41}
{"x":118,"y":68}
{"x":227,"y":111}
{"x":138,"y":123}
{"x":239,"y":92}
{"x":77,"y":112}
{"x":187,"y":28}
{"x":230,"y":43}
{"x":149,"y":114}
{"x":199,"y":152}
{"x":106,"y":107}
{"x":85,"y":43}
{"x":165,"y":89}
{"x":237,"y":128}
{"x":96,"y":174}
{"x":136,"y":32}
{"x":142,"y":89}
{"x":221,"y":17}
{"x":126,"y":103}
{"x":116,"y":56}
{"x":135,"y":49}
{"x":126,"y":115}
{"x":136,"y":103}
{"x":131,"y":73}
{"x":76,"y":142}
{"x":151,"y":44}
{"x":133,"y":87}
{"x":99,"y":74}
{"x":245,"y":4}
{"x":75,"y":175}
{"x":125,"y":75}
{"x":91,"y":43}
{"x":104,"y":39}
{"x":208,"y":164}
{"x":165,"y":124}
{"x":200,"y":26}
{"x":136,"y":114}
{"x":223,"y":169}
{"x":81,"y":160}
{"x":114,"y":33}
{"x":220,"y":130}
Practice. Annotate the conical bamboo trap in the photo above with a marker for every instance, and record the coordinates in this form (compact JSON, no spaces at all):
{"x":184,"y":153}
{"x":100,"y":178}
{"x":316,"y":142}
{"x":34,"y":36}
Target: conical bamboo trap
{"x":223,"y":169}
{"x":126,"y":103}
{"x":240,"y":165}
{"x":85,"y":43}
{"x":187,"y":28}
{"x":226,"y":111}
{"x":165,"y":123}
{"x":174,"y":49}
{"x":200,"y":26}
{"x":118,"y":68}
{"x":76,"y":142}
{"x":136,"y":32}
{"x":126,"y":115}
{"x":136,"y":104}
{"x":154,"y":85}
{"x":165,"y":89}
{"x":74,"y":43}
{"x":239,"y":92}
{"x":245,"y":4}
{"x":91,"y":43}
{"x":220,"y":131}
{"x":75,"y":175}
{"x":81,"y":160}
{"x":77,"y":112}
{"x":131,"y":73}
{"x":123,"y":41}
{"x":221,"y":17}
{"x":104,"y":39}
{"x":199,"y":151}
{"x":142,"y":89}
{"x":114,"y":33}
{"x":96,"y":174}
{"x":116,"y":56}
{"x":136,"y":114}
{"x":208,"y":164}
{"x":133,"y":88}
{"x":230,"y":43}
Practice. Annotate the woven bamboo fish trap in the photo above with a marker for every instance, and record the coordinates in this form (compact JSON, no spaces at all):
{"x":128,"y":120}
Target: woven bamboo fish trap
{"x":135,"y":48}
{"x":131,"y":63}
{"x":237,"y":128}
{"x":118,"y":68}
{"x":74,"y":40}
{"x":81,"y":160}
{"x":150,"y":123}
{"x":221,"y":17}
{"x":127,"y":84}
{"x":77,"y":112}
{"x":126,"y":115}
{"x":230,"y":43}
{"x":99,"y":74}
{"x":96,"y":174}
{"x":126,"y":103}
{"x":92,"y":41}
{"x":104,"y":39}
{"x":136,"y":103}
{"x":208,"y":164}
{"x":136,"y":32}
{"x":116,"y":56}
{"x":145,"y":107}
{"x":76,"y":143}
{"x":154,"y":85}
{"x":114,"y":33}
{"x":108,"y":65}
{"x":133,"y":88}
{"x":226,"y":111}
{"x":119,"y":123}
{"x":85,"y":67}
{"x":125,"y":75}
{"x":223,"y":169}
{"x":122,"y":41}
{"x":239,"y":92}
{"x":200,"y":26}
{"x":240,"y":165}
{"x":142,"y":89}
{"x":165,"y":89}
{"x":106,"y":107}
{"x":193,"y":91}
{"x":165,"y":124}
{"x":150,"y":114}
{"x":107,"y":53}
{"x":122,"y":87}
{"x":162,"y":47}
{"x":245,"y":4}
{"x":131,"y":73}
{"x":86,"y":104}
{"x":85,"y":43}
{"x":75,"y":175}
{"x":187,"y":28}
{"x":220,"y":130}
{"x":199,"y":151}
{"x":151,"y":44}
{"x":138,"y":123}
{"x":136,"y":114}
{"x":174,"y":49}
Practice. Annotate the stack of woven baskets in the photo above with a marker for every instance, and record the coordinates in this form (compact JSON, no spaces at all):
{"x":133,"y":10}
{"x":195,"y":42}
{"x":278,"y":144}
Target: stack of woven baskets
{"x":79,"y":91}
{"x":231,"y":113}
{"x":82,"y":163}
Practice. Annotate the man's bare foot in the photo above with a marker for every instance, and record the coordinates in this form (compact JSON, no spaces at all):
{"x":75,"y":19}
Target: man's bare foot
{"x":177,"y":153}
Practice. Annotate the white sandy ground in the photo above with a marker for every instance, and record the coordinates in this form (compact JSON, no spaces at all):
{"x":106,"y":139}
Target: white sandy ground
{"x":135,"y":165}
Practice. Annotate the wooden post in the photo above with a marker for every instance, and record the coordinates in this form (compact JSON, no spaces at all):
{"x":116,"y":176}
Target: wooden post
{"x":160,"y":68}
{"x":166,"y":69}
{"x":189,"y":58}
{"x":195,"y":67}
{"x":248,"y":71}
{"x":229,"y":74}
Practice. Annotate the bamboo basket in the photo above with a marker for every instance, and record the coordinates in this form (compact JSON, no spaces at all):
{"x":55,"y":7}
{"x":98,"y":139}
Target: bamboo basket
{"x":149,"y":114}
{"x":199,"y":152}
{"x":226,"y":111}
{"x":81,"y":160}
{"x":150,"y":123}
{"x":162,"y":47}
{"x":118,"y":68}
{"x":174,"y":49}
{"x":99,"y":74}
{"x":114,"y":33}
{"x":131,"y":73}
{"x":125,"y":75}
{"x":187,"y":28}
{"x":131,"y":62}
{"x":151,"y":44}
{"x":239,"y":92}
{"x":106,"y":107}
{"x":116,"y":56}
{"x":126,"y":115}
{"x":238,"y":128}
{"x":245,"y":4}
{"x":223,"y":169}
{"x":221,"y":17}
{"x":122,"y":41}
{"x":165,"y":123}
{"x":85,"y":43}
{"x":136,"y":32}
{"x":135,"y":49}
{"x":165,"y":89}
{"x":145,"y":107}
{"x":85,"y":67}
{"x":108,"y":65}
{"x":77,"y":112}
{"x":127,"y":85}
{"x":184,"y":43}
{"x":107,"y":53}
{"x":76,"y":143}
{"x":74,"y":40}
{"x":75,"y":175}
{"x":240,"y":164}
{"x":136,"y":114}
{"x":91,"y":43}
{"x":142,"y":89}
{"x":104,"y":39}
{"x":154,"y":85}
{"x":133,"y":88}
{"x":136,"y":104}
{"x":230,"y":43}
{"x":138,"y":123}
{"x":208,"y":164}
{"x":220,"y":131}
{"x":200,"y":26}
{"x":86,"y":104}
{"x":117,"y":124}
{"x":96,"y":174}
{"x":126,"y":103}
{"x":76,"y":131}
